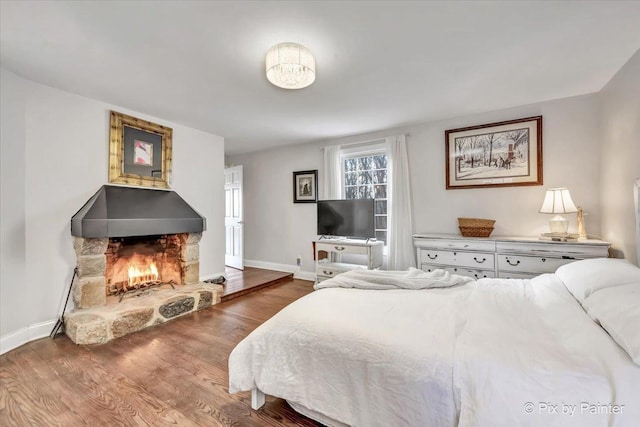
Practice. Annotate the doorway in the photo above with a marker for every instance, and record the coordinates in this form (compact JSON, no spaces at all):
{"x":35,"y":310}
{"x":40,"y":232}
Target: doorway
{"x":233,"y":218}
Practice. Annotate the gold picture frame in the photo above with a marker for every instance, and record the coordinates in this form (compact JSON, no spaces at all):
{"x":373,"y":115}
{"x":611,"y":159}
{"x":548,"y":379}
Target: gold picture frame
{"x":140,"y":152}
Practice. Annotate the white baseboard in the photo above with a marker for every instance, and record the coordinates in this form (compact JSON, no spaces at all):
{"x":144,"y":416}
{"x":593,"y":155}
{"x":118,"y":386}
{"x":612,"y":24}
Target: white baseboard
{"x":297,"y":273}
{"x":305,"y":275}
{"x":24,"y":335}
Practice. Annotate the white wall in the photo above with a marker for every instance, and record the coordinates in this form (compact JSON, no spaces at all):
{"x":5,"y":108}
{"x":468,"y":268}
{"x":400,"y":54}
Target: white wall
{"x":621,"y":157}
{"x":13,"y":285}
{"x":277,"y":230}
{"x":64,"y":141}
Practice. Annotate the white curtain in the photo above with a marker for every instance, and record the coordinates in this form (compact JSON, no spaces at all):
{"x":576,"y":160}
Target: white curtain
{"x":400,"y":226}
{"x":332,"y":185}
{"x":637,"y":202}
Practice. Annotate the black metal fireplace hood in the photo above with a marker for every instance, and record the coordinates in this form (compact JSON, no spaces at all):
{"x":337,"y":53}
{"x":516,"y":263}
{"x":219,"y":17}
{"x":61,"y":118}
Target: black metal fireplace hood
{"x":124,"y":211}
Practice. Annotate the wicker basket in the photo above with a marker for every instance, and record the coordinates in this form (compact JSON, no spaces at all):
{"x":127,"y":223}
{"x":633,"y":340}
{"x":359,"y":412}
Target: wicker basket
{"x":475,"y":227}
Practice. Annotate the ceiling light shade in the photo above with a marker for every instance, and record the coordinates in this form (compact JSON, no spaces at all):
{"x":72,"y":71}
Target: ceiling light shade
{"x":290,"y":66}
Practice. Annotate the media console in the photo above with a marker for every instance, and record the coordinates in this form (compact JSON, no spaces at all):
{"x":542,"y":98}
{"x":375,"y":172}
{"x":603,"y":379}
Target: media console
{"x":361,"y":254}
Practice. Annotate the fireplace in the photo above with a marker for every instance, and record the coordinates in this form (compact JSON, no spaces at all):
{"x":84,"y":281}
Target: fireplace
{"x":138,"y":263}
{"x":135,"y":263}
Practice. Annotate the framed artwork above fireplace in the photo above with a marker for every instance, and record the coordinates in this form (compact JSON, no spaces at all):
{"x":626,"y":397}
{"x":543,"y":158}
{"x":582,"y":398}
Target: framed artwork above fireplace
{"x":139,"y":152}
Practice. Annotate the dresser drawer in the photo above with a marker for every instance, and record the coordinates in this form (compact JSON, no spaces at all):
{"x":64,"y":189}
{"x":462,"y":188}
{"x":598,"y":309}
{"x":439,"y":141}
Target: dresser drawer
{"x":452,"y":244}
{"x":557,"y":249}
{"x":529,"y":264}
{"x":476,"y":274}
{"x":480,"y":260}
{"x":331,"y":269}
{"x":337,"y":248}
{"x":469,"y":272}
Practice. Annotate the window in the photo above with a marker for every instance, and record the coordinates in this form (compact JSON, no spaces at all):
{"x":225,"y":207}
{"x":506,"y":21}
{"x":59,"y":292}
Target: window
{"x":365,"y":177}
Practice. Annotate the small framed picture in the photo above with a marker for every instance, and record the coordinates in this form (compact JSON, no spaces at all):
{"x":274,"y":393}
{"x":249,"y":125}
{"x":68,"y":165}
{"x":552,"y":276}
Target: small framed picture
{"x":139,"y":152}
{"x":504,"y":154}
{"x":305,"y":186}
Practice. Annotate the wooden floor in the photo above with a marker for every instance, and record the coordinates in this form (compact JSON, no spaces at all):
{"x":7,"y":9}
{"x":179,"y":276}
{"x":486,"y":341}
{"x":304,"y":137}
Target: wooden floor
{"x":172,"y":374}
{"x":242,"y":282}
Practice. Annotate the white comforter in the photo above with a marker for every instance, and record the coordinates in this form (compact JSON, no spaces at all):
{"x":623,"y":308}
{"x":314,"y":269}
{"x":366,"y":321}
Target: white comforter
{"x":385,"y":280}
{"x":530,"y":356}
{"x":489,"y":353}
{"x":362,"y":357}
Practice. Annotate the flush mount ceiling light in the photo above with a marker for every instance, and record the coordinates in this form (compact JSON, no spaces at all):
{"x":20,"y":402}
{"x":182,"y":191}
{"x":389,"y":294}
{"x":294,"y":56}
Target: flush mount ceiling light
{"x":290,"y":66}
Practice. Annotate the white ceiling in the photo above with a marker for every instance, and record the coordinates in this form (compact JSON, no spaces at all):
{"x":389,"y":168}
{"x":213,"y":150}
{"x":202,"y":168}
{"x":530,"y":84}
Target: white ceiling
{"x":379,"y":64}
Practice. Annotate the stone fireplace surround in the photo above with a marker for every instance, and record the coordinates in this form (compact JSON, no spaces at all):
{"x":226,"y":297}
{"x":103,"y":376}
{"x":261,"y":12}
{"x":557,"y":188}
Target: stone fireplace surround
{"x":98,"y":318}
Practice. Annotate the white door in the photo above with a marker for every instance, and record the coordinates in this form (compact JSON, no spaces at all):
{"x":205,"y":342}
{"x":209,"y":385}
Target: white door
{"x":233,"y":219}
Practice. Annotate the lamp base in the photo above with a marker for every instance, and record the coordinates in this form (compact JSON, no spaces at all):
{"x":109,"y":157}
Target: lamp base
{"x":559,"y":225}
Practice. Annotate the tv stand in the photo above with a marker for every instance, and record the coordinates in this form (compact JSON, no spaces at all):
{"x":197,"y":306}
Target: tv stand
{"x":360,"y":254}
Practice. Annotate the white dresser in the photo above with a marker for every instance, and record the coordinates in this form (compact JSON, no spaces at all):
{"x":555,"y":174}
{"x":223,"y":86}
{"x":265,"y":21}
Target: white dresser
{"x":358,"y":254}
{"x":503,"y":257}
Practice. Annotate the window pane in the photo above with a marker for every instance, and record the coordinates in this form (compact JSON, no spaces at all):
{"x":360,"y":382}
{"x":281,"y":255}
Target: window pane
{"x":350,"y":165}
{"x":351,"y":192}
{"x":380,"y":176}
{"x":380,"y":191}
{"x":364,"y":192}
{"x":380,"y":161}
{"x":381,"y":222}
{"x":366,"y":177}
{"x":351,"y":178}
{"x":380,"y":207}
{"x":364,"y":163}
{"x":382,"y":235}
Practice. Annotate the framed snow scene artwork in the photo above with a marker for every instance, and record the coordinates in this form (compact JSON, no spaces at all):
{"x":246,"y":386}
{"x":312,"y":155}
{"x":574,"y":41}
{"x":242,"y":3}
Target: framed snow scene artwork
{"x":504,"y":154}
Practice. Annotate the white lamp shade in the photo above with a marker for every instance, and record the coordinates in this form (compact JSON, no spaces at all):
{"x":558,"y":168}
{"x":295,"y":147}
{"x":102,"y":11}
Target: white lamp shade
{"x":558,"y":201}
{"x":290,"y":66}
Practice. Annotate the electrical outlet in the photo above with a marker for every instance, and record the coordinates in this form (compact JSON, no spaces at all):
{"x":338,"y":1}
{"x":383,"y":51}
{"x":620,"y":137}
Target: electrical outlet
{"x":299,"y":261}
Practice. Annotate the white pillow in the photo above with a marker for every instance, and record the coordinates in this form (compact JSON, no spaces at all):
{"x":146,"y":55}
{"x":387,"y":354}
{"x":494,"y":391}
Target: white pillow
{"x":617,"y":309}
{"x":585,"y":277}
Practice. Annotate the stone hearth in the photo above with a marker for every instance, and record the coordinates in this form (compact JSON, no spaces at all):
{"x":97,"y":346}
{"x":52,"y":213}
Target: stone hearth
{"x":97,"y":325}
{"x":100,"y":316}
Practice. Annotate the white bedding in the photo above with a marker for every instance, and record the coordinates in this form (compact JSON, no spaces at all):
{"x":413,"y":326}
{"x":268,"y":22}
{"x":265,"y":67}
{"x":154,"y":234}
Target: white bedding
{"x":385,"y":280}
{"x":476,"y":355}
{"x":361,"y":357}
{"x":530,"y":356}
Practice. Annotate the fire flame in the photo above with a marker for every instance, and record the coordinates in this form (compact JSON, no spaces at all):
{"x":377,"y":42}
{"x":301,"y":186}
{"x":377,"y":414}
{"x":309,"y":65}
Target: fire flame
{"x":139,"y":275}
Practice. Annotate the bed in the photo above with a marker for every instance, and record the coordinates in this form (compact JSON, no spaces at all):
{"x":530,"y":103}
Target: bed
{"x":380,"y":350}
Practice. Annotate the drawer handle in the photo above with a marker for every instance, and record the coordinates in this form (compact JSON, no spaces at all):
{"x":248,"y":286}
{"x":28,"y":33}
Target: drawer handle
{"x":339,"y":248}
{"x":509,"y":262}
{"x":478,"y":261}
{"x":544,"y":260}
{"x":328,"y":273}
{"x":432,"y":257}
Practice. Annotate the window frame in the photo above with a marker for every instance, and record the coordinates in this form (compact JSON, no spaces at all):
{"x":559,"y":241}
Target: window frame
{"x":369,"y":149}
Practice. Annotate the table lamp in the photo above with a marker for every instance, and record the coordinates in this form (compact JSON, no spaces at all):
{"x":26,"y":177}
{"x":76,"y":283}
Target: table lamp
{"x":558,"y":201}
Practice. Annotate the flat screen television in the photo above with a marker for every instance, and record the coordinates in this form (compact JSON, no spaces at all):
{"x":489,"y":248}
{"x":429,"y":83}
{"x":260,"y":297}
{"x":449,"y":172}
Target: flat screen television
{"x":346,"y":218}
